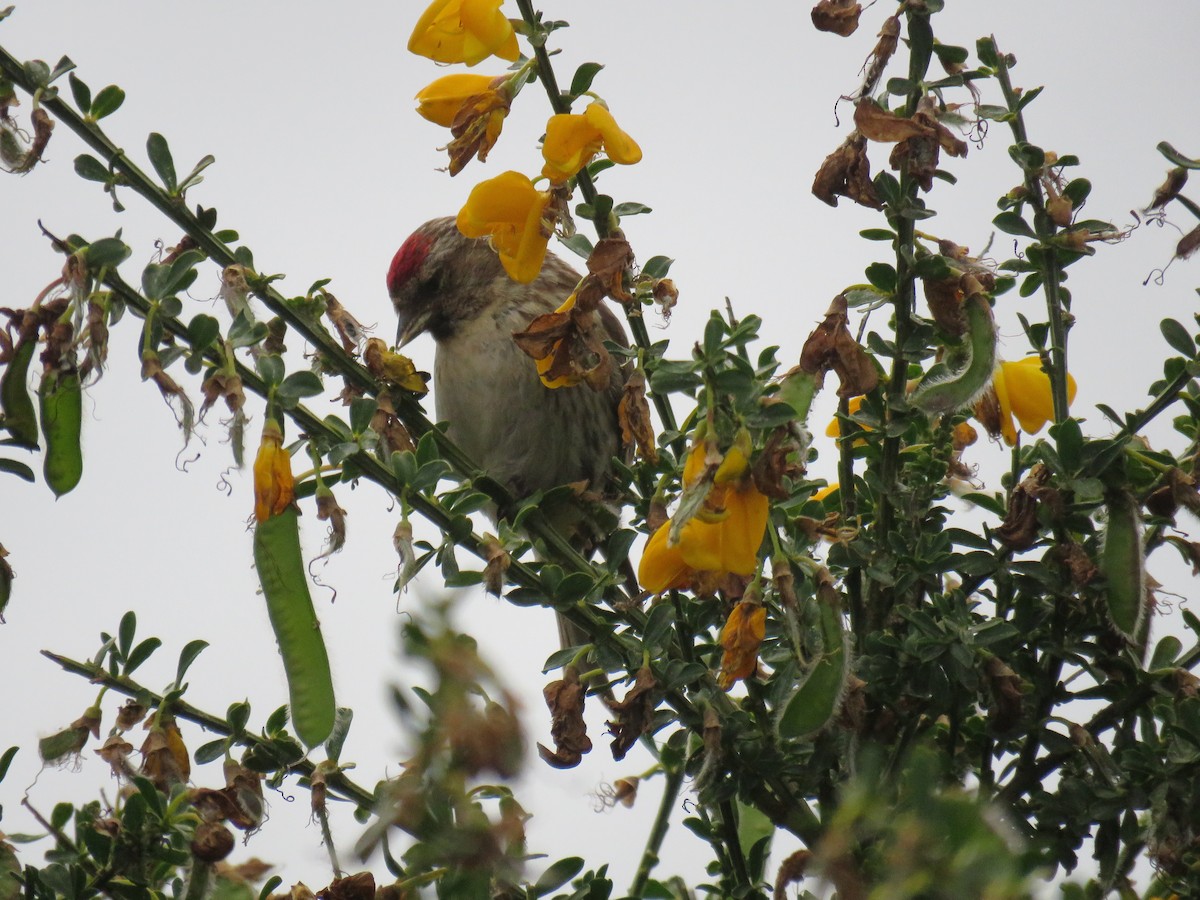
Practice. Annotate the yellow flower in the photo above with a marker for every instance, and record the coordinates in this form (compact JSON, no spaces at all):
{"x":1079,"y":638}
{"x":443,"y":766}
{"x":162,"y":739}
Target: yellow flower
{"x":662,"y":567}
{"x":463,"y":31}
{"x":834,"y":428}
{"x":730,"y":544}
{"x":826,"y":492}
{"x":1023,"y":390}
{"x":510,"y":209}
{"x":572,"y":140}
{"x":473,"y":107}
{"x":724,"y":537}
{"x":441,"y":101}
{"x":274,"y":488}
{"x":740,"y":639}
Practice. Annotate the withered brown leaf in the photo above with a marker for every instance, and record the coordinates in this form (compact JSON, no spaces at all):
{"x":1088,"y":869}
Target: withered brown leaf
{"x":634,"y":714}
{"x":846,"y":172}
{"x":609,"y":261}
{"x":832,"y":347}
{"x":565,"y":699}
{"x":633,"y":412}
{"x":883,"y":126}
{"x":838,"y":17}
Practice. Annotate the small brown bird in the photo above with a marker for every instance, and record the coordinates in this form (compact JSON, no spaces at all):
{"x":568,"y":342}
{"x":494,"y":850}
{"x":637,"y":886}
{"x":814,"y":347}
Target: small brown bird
{"x":525,"y":435}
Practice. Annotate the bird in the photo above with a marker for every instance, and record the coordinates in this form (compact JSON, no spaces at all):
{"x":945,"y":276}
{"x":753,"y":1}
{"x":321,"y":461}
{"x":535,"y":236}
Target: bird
{"x":526,"y":436}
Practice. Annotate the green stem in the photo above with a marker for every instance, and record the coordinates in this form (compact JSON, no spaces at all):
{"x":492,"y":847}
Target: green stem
{"x":658,"y":831}
{"x":336,"y":782}
{"x":1045,"y":229}
{"x":729,"y":831}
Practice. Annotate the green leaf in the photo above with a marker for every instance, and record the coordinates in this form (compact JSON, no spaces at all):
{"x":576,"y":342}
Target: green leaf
{"x":160,"y":158}
{"x":1069,"y":443}
{"x":557,"y":875}
{"x":187,"y":656}
{"x":1012,"y":223}
{"x":1028,"y":156}
{"x":64,"y":65}
{"x":362,"y":410}
{"x":657,"y":266}
{"x":1177,"y":336}
{"x":203,"y":330}
{"x":985,"y":49}
{"x":6,"y":760}
{"x":126,"y":632}
{"x":194,"y":177}
{"x":297,"y":386}
{"x":1028,"y":97}
{"x":631,"y":209}
{"x":582,"y":80}
{"x":107,"y":102}
{"x":140,"y":654}
{"x":882,"y":276}
{"x":1165,"y":653}
{"x":107,"y":253}
{"x":270,"y":368}
{"x":1077,"y":191}
{"x":82,"y":94}
{"x":13,"y":467}
{"x":90,"y":168}
{"x":579,"y":244}
{"x":210,"y":752}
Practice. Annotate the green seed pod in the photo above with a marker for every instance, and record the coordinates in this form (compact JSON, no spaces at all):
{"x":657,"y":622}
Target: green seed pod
{"x":817,"y":700}
{"x":305,"y":661}
{"x":1123,"y":564}
{"x":61,"y":396}
{"x":940,"y":396}
{"x":20,"y":420}
{"x":69,"y":741}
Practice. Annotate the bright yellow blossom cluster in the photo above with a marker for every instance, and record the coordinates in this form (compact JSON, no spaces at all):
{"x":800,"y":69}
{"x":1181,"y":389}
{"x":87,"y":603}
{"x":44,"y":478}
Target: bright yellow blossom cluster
{"x":723,"y":538}
{"x":508,"y":208}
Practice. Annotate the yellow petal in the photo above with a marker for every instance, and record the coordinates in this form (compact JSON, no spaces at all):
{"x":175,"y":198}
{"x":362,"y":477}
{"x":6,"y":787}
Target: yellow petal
{"x":438,"y":33}
{"x":440,"y":100}
{"x":742,"y":531}
{"x":509,"y":209}
{"x":740,"y":639}
{"x":618,"y":146}
{"x":488,"y":32}
{"x":834,"y":428}
{"x":661,"y":567}
{"x":1028,"y":394}
{"x":274,"y":487}
{"x":571,"y":142}
{"x":466,"y":31}
{"x":826,"y":491}
{"x":730,"y":544}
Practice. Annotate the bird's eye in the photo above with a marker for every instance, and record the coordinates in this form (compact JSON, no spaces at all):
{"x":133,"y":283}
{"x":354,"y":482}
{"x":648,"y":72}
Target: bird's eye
{"x":433,"y":282}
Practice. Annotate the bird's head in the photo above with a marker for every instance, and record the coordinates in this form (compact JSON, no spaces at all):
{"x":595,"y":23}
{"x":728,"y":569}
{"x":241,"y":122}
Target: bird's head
{"x":435,"y":280}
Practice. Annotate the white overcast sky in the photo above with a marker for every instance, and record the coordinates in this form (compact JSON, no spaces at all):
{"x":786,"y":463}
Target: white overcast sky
{"x":324,"y":168}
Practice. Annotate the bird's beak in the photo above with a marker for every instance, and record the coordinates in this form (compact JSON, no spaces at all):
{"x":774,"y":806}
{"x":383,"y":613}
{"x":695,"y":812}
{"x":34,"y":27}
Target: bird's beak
{"x":410,"y":325}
